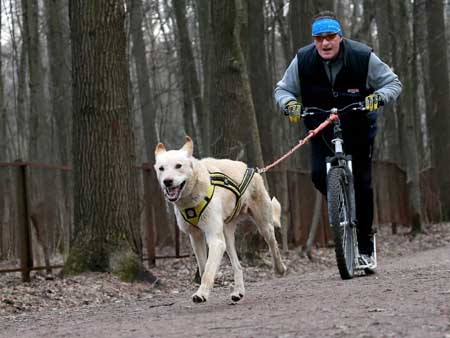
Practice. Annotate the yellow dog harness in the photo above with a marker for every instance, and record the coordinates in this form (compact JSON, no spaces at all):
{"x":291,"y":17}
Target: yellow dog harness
{"x":192,"y":215}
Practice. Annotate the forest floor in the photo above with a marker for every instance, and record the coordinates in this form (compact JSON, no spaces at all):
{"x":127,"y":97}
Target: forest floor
{"x":409,"y":296}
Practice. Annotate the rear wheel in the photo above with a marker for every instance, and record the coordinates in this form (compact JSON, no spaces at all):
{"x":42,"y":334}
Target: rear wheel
{"x":339,"y":215}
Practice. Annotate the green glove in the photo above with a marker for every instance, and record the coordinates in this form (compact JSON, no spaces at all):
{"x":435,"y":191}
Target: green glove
{"x":293,"y":110}
{"x":372,"y":102}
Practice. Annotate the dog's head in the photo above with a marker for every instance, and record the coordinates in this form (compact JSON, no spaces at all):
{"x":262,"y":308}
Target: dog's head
{"x":174,"y":168}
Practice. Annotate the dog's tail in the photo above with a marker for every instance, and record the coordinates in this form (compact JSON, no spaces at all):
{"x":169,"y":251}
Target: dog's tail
{"x":276,"y":212}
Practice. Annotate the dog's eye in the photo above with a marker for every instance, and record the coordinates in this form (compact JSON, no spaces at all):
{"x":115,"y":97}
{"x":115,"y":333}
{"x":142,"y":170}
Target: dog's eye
{"x":178,"y":166}
{"x":161,"y":168}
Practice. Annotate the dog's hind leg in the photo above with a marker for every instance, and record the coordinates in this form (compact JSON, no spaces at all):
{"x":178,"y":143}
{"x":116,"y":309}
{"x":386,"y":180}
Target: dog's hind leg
{"x":261,"y":208}
{"x":265,"y":227}
{"x":238,"y":290}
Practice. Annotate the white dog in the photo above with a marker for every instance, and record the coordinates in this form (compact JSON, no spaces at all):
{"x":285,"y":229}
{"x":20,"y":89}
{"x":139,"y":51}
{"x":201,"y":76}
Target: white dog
{"x":210,"y":195}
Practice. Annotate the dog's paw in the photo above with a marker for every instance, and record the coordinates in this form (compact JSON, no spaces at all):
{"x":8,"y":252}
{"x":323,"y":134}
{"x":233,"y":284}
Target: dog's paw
{"x":281,"y":269}
{"x":236,"y":296}
{"x":199,"y":298}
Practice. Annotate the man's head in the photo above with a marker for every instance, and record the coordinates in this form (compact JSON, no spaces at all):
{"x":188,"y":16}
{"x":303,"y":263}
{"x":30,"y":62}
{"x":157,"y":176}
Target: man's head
{"x":327,"y":34}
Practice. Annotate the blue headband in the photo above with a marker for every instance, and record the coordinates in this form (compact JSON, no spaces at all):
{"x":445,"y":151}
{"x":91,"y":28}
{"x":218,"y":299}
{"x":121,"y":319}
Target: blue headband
{"x":326,"y":25}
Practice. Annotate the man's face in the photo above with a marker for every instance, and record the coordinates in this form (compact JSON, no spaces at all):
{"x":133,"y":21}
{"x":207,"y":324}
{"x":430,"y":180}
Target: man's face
{"x":327,"y":45}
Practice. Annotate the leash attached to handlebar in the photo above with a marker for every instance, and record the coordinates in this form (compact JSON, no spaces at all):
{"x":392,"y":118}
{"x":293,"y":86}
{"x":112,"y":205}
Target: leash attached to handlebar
{"x":309,"y":111}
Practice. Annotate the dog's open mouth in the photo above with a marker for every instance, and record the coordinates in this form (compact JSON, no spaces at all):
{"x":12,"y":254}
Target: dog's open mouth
{"x":174,"y":193}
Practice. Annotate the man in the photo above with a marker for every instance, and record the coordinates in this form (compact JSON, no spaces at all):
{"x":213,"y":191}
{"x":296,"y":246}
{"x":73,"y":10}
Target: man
{"x":333,"y":72}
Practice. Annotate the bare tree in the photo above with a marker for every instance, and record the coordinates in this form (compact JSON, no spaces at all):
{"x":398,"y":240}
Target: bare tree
{"x":60,"y":78}
{"x":60,"y":88}
{"x":106,"y":215}
{"x":203,"y":14}
{"x":192,"y":97}
{"x":39,"y":142}
{"x":387,"y":143}
{"x":3,"y":117}
{"x":230,"y":94}
{"x":147,"y":108}
{"x":361,"y":29}
{"x":439,"y":104}
{"x":421,"y":72}
{"x":278,"y":10}
{"x":3,"y":144}
{"x":259,"y":77}
{"x":22,"y":93}
{"x":300,"y":16}
{"x":404,"y":64}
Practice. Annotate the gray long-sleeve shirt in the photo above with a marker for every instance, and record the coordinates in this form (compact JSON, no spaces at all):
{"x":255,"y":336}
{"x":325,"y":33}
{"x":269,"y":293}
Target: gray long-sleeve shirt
{"x":379,"y":77}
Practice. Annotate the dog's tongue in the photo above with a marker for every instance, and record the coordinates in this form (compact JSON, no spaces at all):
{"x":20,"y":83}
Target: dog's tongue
{"x":172,"y":193}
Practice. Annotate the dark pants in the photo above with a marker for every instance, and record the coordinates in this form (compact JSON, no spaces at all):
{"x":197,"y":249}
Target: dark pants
{"x":362,"y":171}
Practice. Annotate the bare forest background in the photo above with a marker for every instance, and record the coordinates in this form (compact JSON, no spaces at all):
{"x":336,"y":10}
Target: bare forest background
{"x":89,"y":87}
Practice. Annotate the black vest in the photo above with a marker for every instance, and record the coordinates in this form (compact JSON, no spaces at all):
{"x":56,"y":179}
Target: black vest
{"x":349,"y":85}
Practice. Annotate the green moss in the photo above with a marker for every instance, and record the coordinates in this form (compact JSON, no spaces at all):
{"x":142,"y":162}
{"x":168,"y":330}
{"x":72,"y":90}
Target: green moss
{"x":86,"y":258}
{"x":121,"y":262}
{"x":129,"y":268}
{"x":126,"y":266}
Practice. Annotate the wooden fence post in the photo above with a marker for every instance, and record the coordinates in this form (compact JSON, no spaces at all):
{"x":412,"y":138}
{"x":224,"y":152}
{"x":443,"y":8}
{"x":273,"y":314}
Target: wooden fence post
{"x":26,"y":254}
{"x":149,"y":215}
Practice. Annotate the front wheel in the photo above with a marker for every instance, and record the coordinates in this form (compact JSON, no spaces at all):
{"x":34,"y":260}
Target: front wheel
{"x":340,"y":218}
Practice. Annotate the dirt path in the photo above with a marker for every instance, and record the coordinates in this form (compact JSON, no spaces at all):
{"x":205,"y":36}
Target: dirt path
{"x":409,"y":297}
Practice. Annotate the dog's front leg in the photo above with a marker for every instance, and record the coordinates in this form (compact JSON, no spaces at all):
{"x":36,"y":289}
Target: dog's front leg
{"x":216,"y":245}
{"x":199,"y":246}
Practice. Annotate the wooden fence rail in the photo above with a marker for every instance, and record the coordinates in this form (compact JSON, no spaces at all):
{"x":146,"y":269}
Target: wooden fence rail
{"x":390,"y":194}
{"x":22,"y":202}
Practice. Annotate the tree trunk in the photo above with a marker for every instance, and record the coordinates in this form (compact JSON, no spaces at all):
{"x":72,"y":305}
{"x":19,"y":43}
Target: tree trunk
{"x":39,"y":145}
{"x":60,"y":80}
{"x":404,"y":65}
{"x":3,"y":148}
{"x":421,"y":72}
{"x":61,"y":99}
{"x":387,"y":141}
{"x":230,"y":95}
{"x":3,"y":125}
{"x":148,"y":111}
{"x":192,"y":97}
{"x":259,"y":78}
{"x":300,"y":19}
{"x":314,"y":224}
{"x":361,"y":31}
{"x":439,"y":104}
{"x":285,"y":39}
{"x":21,"y":99}
{"x":203,"y":14}
{"x":106,"y":214}
{"x":344,"y":15}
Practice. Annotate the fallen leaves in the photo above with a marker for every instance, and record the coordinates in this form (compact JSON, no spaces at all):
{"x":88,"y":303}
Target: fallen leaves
{"x":176,"y":276}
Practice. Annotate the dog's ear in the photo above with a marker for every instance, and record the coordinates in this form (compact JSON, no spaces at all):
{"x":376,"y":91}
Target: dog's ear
{"x":160,"y":148}
{"x":188,"y":146}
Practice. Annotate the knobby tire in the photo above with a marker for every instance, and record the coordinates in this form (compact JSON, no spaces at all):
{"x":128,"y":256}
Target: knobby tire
{"x":339,"y":214}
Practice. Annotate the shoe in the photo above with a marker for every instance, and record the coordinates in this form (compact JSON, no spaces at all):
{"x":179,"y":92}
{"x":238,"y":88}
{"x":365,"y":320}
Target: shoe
{"x":367,"y":263}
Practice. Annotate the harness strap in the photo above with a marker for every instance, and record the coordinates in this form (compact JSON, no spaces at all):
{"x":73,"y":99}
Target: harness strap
{"x":226,"y":182}
{"x":229,"y":184}
{"x":192,"y":215}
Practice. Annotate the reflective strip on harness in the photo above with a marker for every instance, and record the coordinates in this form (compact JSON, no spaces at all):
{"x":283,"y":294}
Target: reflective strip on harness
{"x":192,"y":215}
{"x":225,"y":181}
